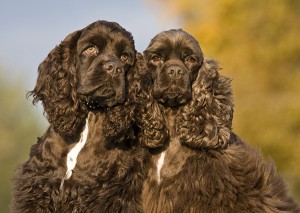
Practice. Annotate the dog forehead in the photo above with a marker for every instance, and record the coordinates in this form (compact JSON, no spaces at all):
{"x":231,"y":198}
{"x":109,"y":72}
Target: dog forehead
{"x":174,"y":42}
{"x":103,"y":32}
{"x":109,"y":35}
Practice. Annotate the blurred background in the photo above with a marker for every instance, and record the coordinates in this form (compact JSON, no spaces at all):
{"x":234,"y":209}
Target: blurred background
{"x":256,"y":42}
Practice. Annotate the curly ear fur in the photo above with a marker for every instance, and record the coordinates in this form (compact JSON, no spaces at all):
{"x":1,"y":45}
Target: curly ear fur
{"x":56,"y":87}
{"x":206,"y":121}
{"x":117,"y":124}
{"x":153,"y":131}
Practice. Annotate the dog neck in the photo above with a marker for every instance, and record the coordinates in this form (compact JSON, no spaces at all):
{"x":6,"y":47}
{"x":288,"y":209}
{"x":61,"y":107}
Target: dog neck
{"x":73,"y":153}
{"x":166,"y":160}
{"x":171,"y":114}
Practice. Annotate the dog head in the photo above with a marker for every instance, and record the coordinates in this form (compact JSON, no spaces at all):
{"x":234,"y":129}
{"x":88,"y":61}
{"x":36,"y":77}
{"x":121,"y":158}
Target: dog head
{"x":174,"y":58}
{"x":104,"y":53}
{"x":86,"y":71}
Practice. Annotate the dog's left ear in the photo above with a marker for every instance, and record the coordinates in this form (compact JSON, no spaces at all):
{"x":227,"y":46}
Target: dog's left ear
{"x":153,"y":132}
{"x":206,"y":121}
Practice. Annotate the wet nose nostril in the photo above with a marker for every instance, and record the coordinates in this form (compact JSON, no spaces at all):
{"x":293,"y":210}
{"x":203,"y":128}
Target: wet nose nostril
{"x":110,"y":67}
{"x":171,"y":71}
{"x":119,"y":70}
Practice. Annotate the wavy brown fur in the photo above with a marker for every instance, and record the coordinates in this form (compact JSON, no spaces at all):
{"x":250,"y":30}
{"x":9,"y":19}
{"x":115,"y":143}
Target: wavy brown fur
{"x":153,"y":132}
{"x":112,"y":166}
{"x":56,"y":87}
{"x":231,"y":180}
{"x":206,"y":121}
{"x":206,"y":167}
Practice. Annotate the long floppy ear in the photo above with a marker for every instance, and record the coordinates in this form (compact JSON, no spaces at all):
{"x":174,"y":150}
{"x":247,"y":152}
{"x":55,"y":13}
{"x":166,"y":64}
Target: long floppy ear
{"x":150,"y":120}
{"x":56,"y":87}
{"x":206,"y":121}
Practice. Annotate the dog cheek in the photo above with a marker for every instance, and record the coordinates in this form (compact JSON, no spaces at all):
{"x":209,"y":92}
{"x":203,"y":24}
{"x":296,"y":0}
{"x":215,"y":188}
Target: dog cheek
{"x":119,"y":86}
{"x":153,"y":75}
{"x":163,"y":79}
{"x":194,"y":75}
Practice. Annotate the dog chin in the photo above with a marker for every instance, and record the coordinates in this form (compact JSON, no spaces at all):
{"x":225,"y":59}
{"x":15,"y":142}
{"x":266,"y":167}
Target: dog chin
{"x":98,"y":102}
{"x":172,"y":100}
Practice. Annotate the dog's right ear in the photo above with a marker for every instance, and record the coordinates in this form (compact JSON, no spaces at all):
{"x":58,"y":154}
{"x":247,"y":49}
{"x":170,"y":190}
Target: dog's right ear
{"x":149,"y":117}
{"x":56,"y":87}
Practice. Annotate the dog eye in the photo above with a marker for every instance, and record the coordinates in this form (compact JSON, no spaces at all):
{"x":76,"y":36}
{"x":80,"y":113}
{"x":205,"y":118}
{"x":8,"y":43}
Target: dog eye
{"x":156,"y":58}
{"x":124,"y":57}
{"x":91,"y":50}
{"x":190,"y":59}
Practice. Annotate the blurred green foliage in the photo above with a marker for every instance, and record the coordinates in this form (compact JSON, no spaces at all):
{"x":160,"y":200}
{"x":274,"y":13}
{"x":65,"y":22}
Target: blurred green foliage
{"x":19,"y":128}
{"x":257,"y":44}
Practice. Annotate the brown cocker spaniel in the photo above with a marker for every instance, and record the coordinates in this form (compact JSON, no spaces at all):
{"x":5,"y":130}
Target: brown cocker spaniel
{"x":89,"y":159}
{"x":203,"y":167}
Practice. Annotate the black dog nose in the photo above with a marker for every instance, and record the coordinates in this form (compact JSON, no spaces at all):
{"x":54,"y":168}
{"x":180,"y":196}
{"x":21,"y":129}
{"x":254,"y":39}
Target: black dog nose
{"x":113,"y":68}
{"x":175,"y":71}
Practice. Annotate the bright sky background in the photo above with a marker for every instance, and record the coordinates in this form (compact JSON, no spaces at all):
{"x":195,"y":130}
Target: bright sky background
{"x":30,"y":29}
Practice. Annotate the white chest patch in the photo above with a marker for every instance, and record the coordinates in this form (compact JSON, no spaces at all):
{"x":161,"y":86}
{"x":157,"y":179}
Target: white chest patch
{"x":159,"y":165}
{"x":73,"y":153}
